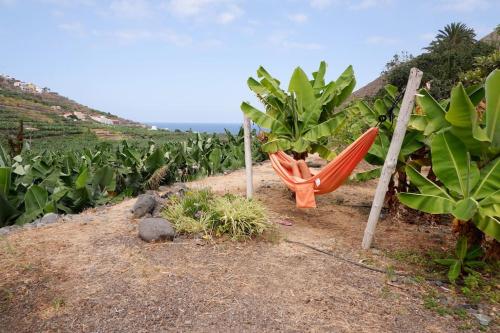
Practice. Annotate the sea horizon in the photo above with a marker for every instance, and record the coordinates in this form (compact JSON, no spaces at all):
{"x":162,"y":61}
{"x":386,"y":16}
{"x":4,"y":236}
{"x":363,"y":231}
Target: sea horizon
{"x":212,"y":127}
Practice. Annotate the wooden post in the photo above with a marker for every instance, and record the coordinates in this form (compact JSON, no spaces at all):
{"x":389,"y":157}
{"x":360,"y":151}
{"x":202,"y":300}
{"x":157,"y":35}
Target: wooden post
{"x":247,"y":129}
{"x":392,"y":155}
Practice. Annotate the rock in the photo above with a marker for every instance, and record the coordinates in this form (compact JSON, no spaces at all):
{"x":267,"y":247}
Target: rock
{"x":48,"y":219}
{"x":8,"y":229}
{"x":144,"y":204}
{"x":483,"y":319}
{"x":156,"y":229}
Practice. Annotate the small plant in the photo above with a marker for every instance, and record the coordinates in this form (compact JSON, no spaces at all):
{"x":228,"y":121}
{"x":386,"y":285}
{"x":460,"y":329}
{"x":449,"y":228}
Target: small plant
{"x":431,"y":302}
{"x":204,"y":212}
{"x":465,"y":260}
{"x":58,"y":303}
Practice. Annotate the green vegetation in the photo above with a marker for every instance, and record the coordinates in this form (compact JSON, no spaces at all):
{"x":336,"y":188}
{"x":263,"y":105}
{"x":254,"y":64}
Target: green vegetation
{"x":204,"y":212}
{"x":465,"y":150}
{"x":465,"y":260}
{"x":483,"y":65}
{"x":35,"y":184}
{"x":451,"y":52}
{"x":301,"y":119}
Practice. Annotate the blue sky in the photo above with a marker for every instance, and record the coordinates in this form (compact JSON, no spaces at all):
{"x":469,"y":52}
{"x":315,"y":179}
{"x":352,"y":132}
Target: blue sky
{"x":188,"y":60}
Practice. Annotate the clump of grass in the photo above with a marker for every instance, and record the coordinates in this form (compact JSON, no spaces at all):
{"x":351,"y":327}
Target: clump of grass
{"x":202,"y":211}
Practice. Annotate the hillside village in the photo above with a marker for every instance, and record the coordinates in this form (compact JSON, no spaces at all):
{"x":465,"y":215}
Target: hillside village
{"x":46,"y":101}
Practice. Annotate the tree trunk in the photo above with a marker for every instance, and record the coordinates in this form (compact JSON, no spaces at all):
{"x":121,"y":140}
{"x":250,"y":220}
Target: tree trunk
{"x":493,"y":251}
{"x":469,"y":230}
{"x":299,"y":156}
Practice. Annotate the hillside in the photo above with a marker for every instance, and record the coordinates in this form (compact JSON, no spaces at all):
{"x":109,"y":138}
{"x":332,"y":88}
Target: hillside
{"x":49,"y":116}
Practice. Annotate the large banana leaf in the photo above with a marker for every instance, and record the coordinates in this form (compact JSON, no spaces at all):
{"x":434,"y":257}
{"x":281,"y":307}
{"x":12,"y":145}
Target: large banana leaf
{"x":464,"y":119}
{"x":465,"y":209}
{"x":323,"y":151}
{"x":81,"y":180}
{"x":490,"y":180}
{"x":4,"y":158}
{"x":366,"y":175}
{"x":490,"y":205}
{"x":435,"y":113}
{"x":5,"y":180}
{"x":7,"y":212}
{"x":425,"y":185}
{"x":36,"y":199}
{"x":492,"y":88}
{"x":490,"y":225}
{"x":277,"y":144}
{"x":411,"y":143}
{"x":304,"y":93}
{"x":345,"y":84}
{"x":327,"y":128}
{"x":264,"y":120}
{"x":451,"y":164}
{"x":155,"y":161}
{"x":104,"y":177}
{"x":431,"y":204}
{"x":319,"y":77}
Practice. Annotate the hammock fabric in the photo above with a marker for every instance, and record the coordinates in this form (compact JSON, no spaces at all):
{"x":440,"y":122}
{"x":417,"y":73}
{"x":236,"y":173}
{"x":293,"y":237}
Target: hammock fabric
{"x":327,"y":179}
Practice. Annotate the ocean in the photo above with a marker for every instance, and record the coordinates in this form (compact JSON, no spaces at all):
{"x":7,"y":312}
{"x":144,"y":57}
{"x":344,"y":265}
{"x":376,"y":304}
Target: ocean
{"x":200,"y":127}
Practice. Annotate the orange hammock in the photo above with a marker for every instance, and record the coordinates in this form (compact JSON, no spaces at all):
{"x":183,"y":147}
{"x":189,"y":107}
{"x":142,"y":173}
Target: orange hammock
{"x":327,"y":179}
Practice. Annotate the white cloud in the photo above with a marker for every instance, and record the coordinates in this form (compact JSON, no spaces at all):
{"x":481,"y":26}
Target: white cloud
{"x":130,"y":8}
{"x":282,"y":39}
{"x":69,"y":2}
{"x":321,"y":4}
{"x":185,"y":8}
{"x":463,"y":5}
{"x":131,"y":36}
{"x":298,"y":18}
{"x":175,"y":38}
{"x":381,"y":40}
{"x":220,"y":11}
{"x":75,"y":28}
{"x":230,"y":14}
{"x":367,"y":4}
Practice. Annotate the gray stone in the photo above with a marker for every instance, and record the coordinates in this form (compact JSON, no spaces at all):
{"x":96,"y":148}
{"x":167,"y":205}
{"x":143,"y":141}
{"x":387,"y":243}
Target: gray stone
{"x":8,"y":229}
{"x":144,"y":204}
{"x":483,"y":319}
{"x":156,"y":229}
{"x":48,"y":219}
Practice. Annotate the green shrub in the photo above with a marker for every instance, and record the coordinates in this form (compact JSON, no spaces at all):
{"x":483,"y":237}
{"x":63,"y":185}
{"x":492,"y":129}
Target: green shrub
{"x":202,"y":211}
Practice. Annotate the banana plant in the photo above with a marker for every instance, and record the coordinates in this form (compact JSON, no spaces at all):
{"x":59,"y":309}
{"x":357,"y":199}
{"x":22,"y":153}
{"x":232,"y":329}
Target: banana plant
{"x":301,"y":119}
{"x":470,"y":194}
{"x":466,"y":259}
{"x":462,"y":114}
{"x":33,"y":185}
{"x":369,"y":115}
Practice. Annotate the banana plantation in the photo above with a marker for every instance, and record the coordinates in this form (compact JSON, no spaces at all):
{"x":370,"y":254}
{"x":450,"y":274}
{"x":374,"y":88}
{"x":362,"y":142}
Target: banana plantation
{"x":33,"y":185}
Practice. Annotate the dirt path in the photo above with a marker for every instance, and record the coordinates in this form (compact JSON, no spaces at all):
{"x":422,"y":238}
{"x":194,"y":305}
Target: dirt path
{"x":91,"y":273}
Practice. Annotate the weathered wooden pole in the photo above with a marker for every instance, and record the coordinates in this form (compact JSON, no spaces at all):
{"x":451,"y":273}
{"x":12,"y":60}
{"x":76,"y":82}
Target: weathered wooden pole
{"x":247,"y":130}
{"x":392,"y":155}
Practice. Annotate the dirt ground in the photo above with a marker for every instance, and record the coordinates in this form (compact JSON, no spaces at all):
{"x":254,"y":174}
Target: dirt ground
{"x":91,"y":273}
